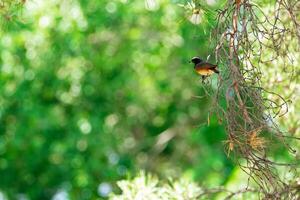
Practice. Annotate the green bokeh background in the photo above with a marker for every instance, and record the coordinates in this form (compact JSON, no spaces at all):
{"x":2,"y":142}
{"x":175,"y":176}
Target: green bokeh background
{"x":94,"y":91}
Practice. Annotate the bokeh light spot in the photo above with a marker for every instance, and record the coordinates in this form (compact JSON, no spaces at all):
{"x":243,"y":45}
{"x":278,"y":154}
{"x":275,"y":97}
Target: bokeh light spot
{"x":84,"y":126}
{"x":111,"y":7}
{"x":104,"y":189}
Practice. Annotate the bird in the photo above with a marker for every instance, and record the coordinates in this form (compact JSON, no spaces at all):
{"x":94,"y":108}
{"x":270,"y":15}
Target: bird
{"x":203,"y":68}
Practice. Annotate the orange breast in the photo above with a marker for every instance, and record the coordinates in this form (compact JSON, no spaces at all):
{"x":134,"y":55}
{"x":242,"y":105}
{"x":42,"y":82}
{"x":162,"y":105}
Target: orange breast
{"x":204,"y":71}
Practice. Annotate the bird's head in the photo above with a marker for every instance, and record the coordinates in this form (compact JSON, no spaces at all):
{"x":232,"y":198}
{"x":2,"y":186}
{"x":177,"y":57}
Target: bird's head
{"x":196,"y":60}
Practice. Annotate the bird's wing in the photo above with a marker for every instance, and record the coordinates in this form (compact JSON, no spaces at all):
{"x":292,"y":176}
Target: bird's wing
{"x":205,"y":65}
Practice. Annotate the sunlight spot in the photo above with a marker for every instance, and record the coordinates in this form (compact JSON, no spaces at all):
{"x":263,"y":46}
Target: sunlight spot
{"x":75,"y":90}
{"x":65,"y":97}
{"x":151,"y":5}
{"x":82,"y":145}
{"x":75,"y":12}
{"x":111,"y":7}
{"x":84,"y":126}
{"x":111,"y":120}
{"x":211,"y":2}
{"x":7,"y":69}
{"x":113,"y":158}
{"x":61,"y":195}
{"x":104,"y":189}
{"x":44,"y":21}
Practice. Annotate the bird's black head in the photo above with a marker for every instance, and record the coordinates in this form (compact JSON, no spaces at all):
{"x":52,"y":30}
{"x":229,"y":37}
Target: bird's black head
{"x":196,"y":60}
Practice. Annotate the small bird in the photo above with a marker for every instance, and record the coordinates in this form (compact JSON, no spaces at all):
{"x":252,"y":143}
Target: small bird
{"x":203,"y":68}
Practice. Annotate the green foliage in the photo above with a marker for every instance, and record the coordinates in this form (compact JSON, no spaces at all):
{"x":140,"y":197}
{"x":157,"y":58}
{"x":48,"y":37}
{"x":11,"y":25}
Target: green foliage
{"x":94,"y":90}
{"x":88,"y":90}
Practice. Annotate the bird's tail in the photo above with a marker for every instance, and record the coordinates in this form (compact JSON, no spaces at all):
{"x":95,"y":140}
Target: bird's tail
{"x":216,"y":70}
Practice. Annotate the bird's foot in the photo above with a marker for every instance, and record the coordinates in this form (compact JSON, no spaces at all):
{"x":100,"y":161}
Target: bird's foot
{"x":204,"y":80}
